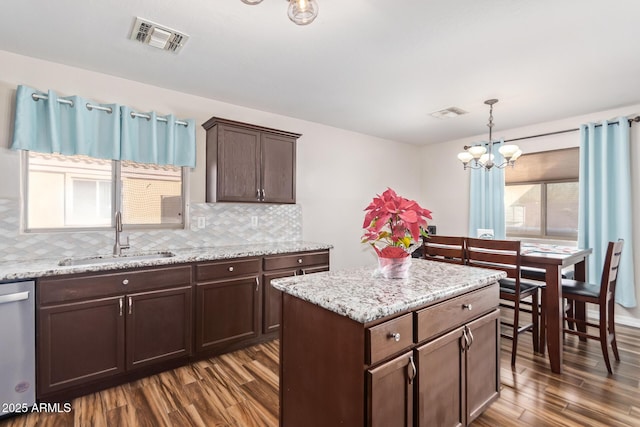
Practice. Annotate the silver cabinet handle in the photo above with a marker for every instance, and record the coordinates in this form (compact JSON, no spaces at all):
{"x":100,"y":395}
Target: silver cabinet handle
{"x":470,"y":337}
{"x":125,"y":282}
{"x":18,"y":296}
{"x":467,"y":307}
{"x":257,"y":284}
{"x":121,"y":304}
{"x":230,"y":268}
{"x":414,"y":371}
{"x":258,"y":194}
{"x":395,"y":336}
{"x":465,"y":345}
{"x":130,"y":305}
{"x":299,"y":260}
{"x":263,"y":196}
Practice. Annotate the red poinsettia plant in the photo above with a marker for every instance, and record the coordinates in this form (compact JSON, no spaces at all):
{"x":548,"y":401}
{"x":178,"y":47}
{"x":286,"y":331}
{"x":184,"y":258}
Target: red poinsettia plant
{"x":394,"y":224}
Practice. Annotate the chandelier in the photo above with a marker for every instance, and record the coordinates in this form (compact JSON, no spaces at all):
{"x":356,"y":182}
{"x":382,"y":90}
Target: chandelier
{"x":301,"y":12}
{"x":483,"y":158}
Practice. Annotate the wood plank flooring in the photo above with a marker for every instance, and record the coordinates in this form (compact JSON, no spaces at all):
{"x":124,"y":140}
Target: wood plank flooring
{"x":241,"y":390}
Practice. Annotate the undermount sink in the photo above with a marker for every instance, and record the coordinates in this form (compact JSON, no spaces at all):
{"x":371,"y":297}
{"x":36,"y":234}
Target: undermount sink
{"x":110,"y":259}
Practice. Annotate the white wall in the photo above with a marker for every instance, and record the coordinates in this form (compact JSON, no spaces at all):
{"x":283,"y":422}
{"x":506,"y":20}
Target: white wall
{"x":338,"y":172}
{"x":445,"y":184}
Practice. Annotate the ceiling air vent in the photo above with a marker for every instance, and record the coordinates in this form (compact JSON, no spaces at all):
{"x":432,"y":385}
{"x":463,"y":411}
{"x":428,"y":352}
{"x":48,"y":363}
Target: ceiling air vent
{"x":157,"y":35}
{"x":448,"y":112}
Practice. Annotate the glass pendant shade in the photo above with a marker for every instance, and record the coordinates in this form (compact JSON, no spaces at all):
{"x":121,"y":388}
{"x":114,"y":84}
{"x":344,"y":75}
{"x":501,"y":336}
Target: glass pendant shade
{"x":465,"y":157}
{"x":516,"y":155}
{"x":303,"y":12}
{"x":476,"y":151}
{"x":508,"y":150}
{"x":251,"y":1}
{"x":485,"y":159}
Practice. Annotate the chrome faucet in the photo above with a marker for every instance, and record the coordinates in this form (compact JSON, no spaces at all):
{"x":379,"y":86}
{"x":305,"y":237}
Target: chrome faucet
{"x":117,"y":247}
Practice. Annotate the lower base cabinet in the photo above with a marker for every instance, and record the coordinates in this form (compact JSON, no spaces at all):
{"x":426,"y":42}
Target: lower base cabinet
{"x":102,"y":329}
{"x":447,"y":378}
{"x":457,"y":374}
{"x":95,"y":328}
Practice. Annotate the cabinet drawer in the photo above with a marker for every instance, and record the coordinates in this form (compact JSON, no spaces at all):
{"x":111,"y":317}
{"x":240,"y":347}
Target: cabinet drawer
{"x":52,"y":290}
{"x":225,"y":269}
{"x":296,"y":260}
{"x":389,"y":338}
{"x":442,"y":317}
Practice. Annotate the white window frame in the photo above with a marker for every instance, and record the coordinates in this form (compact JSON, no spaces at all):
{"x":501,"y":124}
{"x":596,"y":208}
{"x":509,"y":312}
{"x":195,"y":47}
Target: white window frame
{"x":116,"y":202}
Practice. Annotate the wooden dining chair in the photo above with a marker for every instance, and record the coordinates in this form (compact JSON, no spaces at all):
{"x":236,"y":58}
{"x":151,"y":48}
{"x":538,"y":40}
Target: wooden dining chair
{"x":603,"y":295}
{"x":505,"y":255}
{"x":444,"y":248}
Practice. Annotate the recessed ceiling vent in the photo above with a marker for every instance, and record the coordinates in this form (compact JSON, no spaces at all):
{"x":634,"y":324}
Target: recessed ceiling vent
{"x":448,"y":113}
{"x":158,"y":36}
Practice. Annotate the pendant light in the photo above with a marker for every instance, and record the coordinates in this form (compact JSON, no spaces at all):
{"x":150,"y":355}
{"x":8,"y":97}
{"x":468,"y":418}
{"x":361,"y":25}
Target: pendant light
{"x":301,"y":12}
{"x":483,"y":158}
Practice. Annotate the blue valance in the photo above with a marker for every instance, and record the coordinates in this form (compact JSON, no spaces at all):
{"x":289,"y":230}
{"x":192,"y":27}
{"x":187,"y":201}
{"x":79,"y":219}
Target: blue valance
{"x":47,"y":123}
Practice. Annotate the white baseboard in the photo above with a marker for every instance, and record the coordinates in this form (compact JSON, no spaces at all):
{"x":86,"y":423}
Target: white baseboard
{"x":621,"y":320}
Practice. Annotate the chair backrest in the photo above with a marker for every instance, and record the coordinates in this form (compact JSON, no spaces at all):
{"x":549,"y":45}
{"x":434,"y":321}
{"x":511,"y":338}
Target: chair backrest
{"x":444,"y":248}
{"x":495,"y":254}
{"x":610,"y":270}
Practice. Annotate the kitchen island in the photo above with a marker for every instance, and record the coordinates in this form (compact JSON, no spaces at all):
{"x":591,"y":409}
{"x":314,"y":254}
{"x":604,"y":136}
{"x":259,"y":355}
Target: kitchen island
{"x":360,"y":350}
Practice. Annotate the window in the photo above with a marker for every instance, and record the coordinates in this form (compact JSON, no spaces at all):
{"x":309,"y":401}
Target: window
{"x":541,"y":195}
{"x":76,"y":192}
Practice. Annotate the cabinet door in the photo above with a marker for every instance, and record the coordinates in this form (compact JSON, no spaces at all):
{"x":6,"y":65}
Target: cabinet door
{"x":272,"y":301}
{"x":80,"y":342}
{"x":227,"y":312}
{"x":483,"y":369}
{"x":158,"y":326}
{"x":440,"y":381}
{"x":238,"y":164}
{"x":390,"y":393}
{"x":278,"y":168}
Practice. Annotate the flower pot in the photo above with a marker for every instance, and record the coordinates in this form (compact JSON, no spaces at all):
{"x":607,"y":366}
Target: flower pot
{"x":394,"y":268}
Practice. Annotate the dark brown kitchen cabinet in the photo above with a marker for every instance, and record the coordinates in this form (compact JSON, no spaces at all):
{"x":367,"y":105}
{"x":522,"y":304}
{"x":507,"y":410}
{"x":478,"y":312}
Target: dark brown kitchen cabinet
{"x":391,"y":393}
{"x":105,"y":326}
{"x":158,"y":326}
{"x":458,"y":374}
{"x":278,"y":266}
{"x":227,"y":304}
{"x":80,"y":342}
{"x":249,"y":163}
{"x":436,"y":365}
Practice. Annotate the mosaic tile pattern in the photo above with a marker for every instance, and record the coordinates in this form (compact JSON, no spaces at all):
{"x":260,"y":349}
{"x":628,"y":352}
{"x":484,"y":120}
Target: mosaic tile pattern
{"x":226,"y":224}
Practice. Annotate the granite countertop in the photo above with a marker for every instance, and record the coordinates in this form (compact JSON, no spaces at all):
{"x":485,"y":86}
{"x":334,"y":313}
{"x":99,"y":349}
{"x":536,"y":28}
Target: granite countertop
{"x":364,"y":296}
{"x":17,"y":270}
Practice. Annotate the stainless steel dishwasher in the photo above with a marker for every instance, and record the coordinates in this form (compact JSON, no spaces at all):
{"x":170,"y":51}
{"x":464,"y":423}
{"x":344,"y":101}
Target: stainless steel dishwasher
{"x":17,"y":347}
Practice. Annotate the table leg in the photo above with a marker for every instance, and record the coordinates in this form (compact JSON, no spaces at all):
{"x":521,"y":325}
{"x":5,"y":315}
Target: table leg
{"x":555,"y":313}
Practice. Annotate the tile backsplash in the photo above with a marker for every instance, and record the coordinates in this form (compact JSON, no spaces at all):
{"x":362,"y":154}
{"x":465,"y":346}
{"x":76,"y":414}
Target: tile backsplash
{"x":225,"y":224}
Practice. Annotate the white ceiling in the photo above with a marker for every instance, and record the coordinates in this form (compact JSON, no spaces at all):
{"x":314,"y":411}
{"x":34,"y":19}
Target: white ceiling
{"x":377,"y":67}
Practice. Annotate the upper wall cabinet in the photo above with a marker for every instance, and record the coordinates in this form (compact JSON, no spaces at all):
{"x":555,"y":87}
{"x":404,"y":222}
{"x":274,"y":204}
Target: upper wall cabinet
{"x":249,"y":163}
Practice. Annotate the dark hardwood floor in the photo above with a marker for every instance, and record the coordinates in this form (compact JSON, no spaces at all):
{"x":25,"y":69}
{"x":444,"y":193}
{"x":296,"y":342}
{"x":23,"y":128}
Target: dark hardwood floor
{"x":241,"y":389}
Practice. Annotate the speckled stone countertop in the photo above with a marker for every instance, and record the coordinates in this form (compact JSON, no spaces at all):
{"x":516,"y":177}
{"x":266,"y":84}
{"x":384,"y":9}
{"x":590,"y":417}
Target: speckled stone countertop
{"x":364,"y":296}
{"x":16,"y":270}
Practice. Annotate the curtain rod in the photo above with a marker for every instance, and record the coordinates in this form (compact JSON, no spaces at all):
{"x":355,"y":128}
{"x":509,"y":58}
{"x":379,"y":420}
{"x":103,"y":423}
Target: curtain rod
{"x":36,"y":97}
{"x":630,"y":120}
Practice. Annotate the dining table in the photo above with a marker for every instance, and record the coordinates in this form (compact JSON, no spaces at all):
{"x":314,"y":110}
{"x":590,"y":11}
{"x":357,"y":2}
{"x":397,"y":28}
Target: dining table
{"x":552,"y":259}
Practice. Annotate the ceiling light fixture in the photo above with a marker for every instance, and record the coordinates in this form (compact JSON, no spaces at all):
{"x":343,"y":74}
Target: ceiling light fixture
{"x":301,"y":12}
{"x":483,"y":158}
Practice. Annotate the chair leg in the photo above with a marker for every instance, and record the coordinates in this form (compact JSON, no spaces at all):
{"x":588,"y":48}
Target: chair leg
{"x":543,"y":324}
{"x":514,"y":341}
{"x":612,"y":329}
{"x":580,"y":313}
{"x":604,"y":337}
{"x":535,"y":318}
